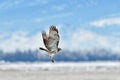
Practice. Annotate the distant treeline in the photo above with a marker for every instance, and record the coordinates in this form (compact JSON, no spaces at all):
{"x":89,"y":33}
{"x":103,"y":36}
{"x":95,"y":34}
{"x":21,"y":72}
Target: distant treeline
{"x":64,"y":55}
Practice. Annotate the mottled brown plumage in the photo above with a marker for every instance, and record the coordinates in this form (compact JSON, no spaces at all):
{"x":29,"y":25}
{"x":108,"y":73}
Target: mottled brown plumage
{"x":51,"y":42}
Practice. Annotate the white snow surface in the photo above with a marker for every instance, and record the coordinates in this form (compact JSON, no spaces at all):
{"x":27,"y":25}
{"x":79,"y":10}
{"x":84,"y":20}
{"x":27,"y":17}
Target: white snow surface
{"x":61,"y":66}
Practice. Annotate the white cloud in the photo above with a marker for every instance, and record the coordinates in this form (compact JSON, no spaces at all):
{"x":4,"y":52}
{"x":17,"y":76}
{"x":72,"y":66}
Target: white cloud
{"x":6,"y":23}
{"x":10,"y":4}
{"x":55,"y":16}
{"x":37,"y":2}
{"x":79,"y":39}
{"x":20,"y":41}
{"x":93,"y":2}
{"x":106,"y":22}
{"x":84,"y":39}
{"x":65,"y":14}
{"x":38,"y":20}
{"x":58,"y":7}
{"x":83,"y":4}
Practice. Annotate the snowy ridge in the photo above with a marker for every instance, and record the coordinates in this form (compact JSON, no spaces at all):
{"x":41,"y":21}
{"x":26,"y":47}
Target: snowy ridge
{"x":62,"y":66}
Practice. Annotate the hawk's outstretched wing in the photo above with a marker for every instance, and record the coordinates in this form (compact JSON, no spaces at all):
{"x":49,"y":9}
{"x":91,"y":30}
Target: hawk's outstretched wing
{"x":45,"y":38}
{"x":53,"y":39}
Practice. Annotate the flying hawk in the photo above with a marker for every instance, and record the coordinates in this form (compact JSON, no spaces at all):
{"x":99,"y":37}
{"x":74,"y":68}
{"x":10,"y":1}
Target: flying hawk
{"x":51,"y":42}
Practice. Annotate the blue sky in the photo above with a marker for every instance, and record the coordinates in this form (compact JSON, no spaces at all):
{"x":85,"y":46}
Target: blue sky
{"x":83,"y":24}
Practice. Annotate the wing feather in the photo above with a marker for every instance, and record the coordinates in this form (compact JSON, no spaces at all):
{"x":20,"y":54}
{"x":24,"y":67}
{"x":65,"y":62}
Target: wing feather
{"x":45,"y":38}
{"x":53,"y":39}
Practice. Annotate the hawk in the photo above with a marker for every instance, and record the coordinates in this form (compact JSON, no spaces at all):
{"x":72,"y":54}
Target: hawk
{"x":51,"y":42}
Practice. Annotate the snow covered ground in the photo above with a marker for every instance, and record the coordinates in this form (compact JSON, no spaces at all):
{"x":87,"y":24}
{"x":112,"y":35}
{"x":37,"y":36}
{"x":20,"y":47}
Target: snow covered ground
{"x":62,"y":66}
{"x":60,"y":71}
